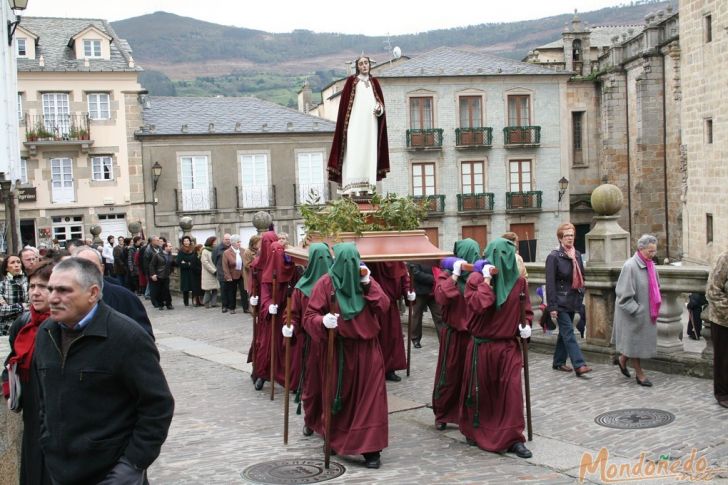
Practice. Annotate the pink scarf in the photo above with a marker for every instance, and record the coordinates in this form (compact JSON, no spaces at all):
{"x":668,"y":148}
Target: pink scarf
{"x":577,"y":280}
{"x":655,"y":297}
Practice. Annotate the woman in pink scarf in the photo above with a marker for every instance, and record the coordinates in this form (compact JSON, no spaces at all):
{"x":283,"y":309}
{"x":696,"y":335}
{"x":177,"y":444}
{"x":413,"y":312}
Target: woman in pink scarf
{"x":636,"y":309}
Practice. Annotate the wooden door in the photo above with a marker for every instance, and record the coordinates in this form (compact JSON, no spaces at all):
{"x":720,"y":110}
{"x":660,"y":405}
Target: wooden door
{"x":478,"y":233}
{"x":526,"y":240}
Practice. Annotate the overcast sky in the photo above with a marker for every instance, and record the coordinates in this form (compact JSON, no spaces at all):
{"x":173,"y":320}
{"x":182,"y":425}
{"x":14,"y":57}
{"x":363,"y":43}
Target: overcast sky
{"x":387,"y":17}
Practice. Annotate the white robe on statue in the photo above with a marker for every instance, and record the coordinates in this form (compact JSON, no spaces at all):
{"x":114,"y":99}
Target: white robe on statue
{"x":359,"y":170}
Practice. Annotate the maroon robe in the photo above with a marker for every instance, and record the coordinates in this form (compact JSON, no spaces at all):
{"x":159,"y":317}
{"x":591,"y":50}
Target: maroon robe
{"x":394,"y":280}
{"x":338,"y":147}
{"x":361,"y":426}
{"x":499,"y":402}
{"x":454,"y":338}
{"x":312,"y":358}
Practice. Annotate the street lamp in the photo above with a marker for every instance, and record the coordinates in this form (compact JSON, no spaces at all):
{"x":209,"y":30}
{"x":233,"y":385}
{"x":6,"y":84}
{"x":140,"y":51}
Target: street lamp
{"x":15,"y":5}
{"x":156,"y":173}
{"x":563,"y":185}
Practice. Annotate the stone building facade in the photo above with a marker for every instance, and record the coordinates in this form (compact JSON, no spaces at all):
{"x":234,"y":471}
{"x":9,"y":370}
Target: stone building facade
{"x":221,"y":160}
{"x":78,"y":103}
{"x":481,"y":140}
{"x":625,"y":109}
{"x":703,"y":71}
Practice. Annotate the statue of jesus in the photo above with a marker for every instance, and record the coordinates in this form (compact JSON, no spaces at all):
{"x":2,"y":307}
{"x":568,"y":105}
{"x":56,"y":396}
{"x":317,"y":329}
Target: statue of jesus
{"x":360,"y":152}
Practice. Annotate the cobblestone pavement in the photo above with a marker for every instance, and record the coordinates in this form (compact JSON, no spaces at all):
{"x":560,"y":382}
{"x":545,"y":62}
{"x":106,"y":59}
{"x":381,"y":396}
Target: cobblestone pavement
{"x":222,"y":425}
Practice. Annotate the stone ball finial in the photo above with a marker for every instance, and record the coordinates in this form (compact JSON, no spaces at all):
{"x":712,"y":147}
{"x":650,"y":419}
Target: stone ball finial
{"x":262,"y":220}
{"x":95,"y":230}
{"x":135,"y":228}
{"x":185,"y":223}
{"x":607,"y":200}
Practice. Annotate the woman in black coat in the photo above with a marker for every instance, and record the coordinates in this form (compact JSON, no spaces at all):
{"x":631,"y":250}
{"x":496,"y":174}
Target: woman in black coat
{"x":564,"y":295}
{"x":197,"y":292}
{"x":22,"y":333}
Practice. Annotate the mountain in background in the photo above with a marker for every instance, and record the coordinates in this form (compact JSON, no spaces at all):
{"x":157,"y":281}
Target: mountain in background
{"x":188,"y":57}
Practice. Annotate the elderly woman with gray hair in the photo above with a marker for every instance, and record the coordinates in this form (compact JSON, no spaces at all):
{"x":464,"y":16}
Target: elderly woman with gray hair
{"x":232,"y":266}
{"x":636,"y":309}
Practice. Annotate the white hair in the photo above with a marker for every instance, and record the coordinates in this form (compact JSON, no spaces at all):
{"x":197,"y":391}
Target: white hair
{"x":645,"y":240}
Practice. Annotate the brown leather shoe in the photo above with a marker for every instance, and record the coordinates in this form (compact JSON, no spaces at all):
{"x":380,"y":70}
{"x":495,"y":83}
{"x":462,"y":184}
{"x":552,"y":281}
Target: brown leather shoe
{"x":563,"y":368}
{"x":582,"y":370}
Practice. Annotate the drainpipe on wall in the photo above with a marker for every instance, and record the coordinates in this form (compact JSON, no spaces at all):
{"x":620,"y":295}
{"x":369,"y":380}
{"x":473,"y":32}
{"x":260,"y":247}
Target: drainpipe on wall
{"x":629,"y":161}
{"x":664,"y":155}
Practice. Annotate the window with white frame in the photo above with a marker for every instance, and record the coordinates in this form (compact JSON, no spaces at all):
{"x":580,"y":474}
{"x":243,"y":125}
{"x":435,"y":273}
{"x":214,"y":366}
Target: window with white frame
{"x":92,"y":48}
{"x":98,"y":106}
{"x":471,"y":175}
{"x":56,"y":113}
{"x":423,"y":179}
{"x":21,"y":47}
{"x":520,"y":175}
{"x":20,"y":107}
{"x":255,"y":191}
{"x":311,"y":186}
{"x":23,"y":171}
{"x":102,"y":168}
{"x":195,"y":183}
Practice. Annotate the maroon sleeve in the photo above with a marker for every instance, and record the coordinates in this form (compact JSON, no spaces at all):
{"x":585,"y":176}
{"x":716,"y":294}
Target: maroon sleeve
{"x":318,"y":306}
{"x":479,"y":297}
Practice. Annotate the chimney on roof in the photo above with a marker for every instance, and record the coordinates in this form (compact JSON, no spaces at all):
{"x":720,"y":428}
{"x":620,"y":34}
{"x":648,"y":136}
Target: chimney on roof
{"x":238,"y":126}
{"x":41,"y":61}
{"x":152,"y":128}
{"x":131,"y":62}
{"x":184,"y":128}
{"x":289,"y":126}
{"x":264,"y":127}
{"x":211,"y":127}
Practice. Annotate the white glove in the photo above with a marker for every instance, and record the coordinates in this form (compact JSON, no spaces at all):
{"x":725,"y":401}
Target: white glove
{"x":411,"y":296}
{"x":365,"y":279}
{"x":287,"y":331}
{"x":331,"y":320}
{"x":525,"y":331}
{"x":456,"y":267}
{"x":486,"y":270}
{"x":253,"y":301}
{"x":273,"y":309}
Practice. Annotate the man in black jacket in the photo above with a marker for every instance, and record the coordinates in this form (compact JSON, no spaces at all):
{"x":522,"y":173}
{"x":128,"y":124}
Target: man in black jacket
{"x":105,"y":406}
{"x":424,"y":283}
{"x":217,"y":259}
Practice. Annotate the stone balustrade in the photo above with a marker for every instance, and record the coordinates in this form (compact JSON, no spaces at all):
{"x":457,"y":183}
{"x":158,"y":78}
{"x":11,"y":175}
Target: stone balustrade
{"x":599,"y":299}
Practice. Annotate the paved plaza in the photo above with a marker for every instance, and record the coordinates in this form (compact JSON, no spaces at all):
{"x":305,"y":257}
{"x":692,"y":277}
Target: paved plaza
{"x":222,"y":425}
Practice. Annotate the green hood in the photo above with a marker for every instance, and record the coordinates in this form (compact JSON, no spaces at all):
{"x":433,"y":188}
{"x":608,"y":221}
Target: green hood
{"x":502,"y":254}
{"x":319,"y":262}
{"x":344,"y":275}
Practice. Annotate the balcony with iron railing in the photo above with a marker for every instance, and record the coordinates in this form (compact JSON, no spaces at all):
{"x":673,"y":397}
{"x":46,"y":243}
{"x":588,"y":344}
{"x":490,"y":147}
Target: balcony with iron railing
{"x":524,"y":201}
{"x":480,"y":202}
{"x":481,"y":137}
{"x":255,"y":196}
{"x":521,"y":136}
{"x":195,"y":200}
{"x":424,"y":139}
{"x":434,"y":204}
{"x":312,"y":194}
{"x":62,"y":129}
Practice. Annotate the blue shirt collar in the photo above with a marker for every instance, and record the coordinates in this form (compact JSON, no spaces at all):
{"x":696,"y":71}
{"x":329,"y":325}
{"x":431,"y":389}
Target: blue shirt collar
{"x":85,"y":320}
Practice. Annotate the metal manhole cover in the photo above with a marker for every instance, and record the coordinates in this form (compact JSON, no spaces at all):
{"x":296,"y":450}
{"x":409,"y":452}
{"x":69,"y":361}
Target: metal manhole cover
{"x":295,"y":471}
{"x":639,"y":418}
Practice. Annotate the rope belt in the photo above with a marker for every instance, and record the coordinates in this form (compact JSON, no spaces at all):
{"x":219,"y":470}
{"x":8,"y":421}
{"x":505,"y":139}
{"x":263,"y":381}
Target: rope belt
{"x":474,"y":380}
{"x":442,"y":379}
{"x":299,"y":390}
{"x":338,"y":402}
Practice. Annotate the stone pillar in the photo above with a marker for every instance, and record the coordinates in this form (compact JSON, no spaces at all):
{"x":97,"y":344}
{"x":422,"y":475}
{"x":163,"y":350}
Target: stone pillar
{"x":607,"y":246}
{"x":95,"y":230}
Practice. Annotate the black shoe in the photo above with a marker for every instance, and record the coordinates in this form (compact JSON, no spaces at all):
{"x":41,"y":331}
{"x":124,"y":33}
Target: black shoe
{"x":391,"y":376}
{"x":170,"y":307}
{"x":307,"y":431}
{"x":417,"y":344}
{"x":520,"y":450}
{"x":160,"y":307}
{"x":372,"y":460}
{"x":440,"y":426}
{"x":259,"y":384}
{"x":224,"y":310}
{"x":624,"y":369}
{"x":645,"y":382}
{"x":471,"y":442}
